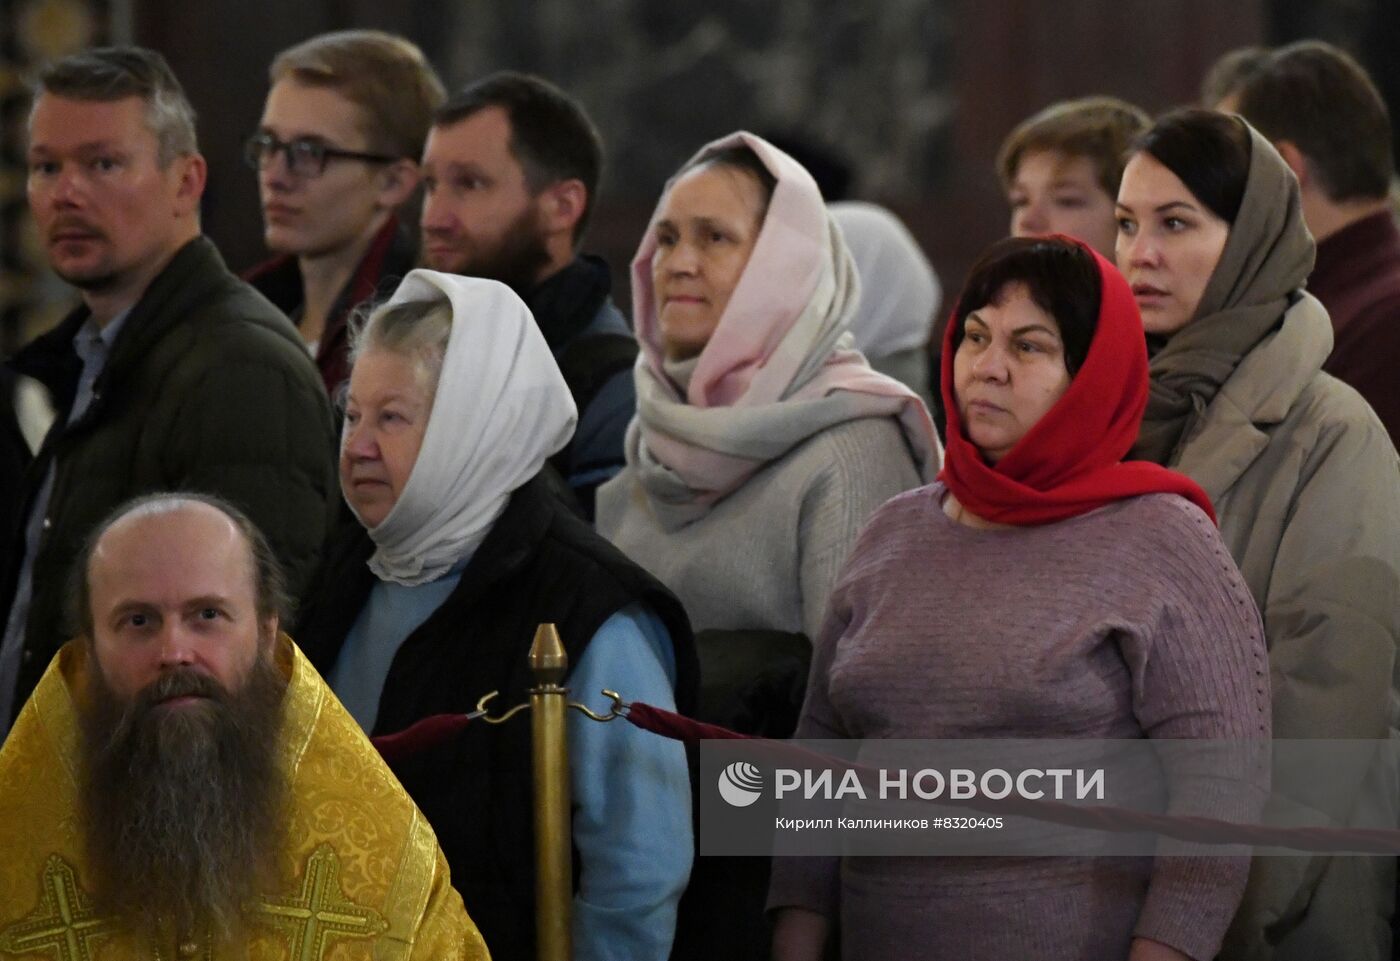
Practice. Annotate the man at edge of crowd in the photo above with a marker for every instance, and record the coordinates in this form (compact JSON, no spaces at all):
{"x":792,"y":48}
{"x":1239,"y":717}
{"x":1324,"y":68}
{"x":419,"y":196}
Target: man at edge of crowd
{"x":171,"y":375}
{"x":1320,"y":109}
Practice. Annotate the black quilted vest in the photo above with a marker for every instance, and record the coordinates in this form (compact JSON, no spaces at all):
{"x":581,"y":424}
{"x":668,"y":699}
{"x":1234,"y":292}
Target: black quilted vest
{"x":539,"y":563}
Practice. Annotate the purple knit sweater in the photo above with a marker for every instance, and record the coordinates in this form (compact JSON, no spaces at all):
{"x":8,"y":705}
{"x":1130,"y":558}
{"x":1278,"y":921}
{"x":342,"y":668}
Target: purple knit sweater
{"x":1131,"y":621}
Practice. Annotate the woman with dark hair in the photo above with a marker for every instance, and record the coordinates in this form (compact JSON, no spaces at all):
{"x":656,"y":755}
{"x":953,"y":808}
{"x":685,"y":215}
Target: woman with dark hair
{"x":1092,"y":599}
{"x":1305,"y":481}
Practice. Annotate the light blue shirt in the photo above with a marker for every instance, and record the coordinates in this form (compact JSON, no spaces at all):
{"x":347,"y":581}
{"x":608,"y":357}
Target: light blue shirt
{"x":632,"y":790}
{"x":390,"y":615}
{"x":93,"y":345}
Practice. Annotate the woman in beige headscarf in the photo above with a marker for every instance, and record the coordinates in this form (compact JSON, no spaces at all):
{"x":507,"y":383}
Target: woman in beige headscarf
{"x":1304,"y":480}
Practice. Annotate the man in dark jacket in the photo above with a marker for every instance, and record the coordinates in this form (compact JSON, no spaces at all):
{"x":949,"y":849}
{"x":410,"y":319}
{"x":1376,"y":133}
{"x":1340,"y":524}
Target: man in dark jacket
{"x":337,"y":154}
{"x":1327,"y":119}
{"x":511,"y":170}
{"x":173,"y":374}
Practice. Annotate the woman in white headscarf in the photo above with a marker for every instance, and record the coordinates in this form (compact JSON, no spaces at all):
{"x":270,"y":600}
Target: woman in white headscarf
{"x":900,"y":293}
{"x":432,"y":600}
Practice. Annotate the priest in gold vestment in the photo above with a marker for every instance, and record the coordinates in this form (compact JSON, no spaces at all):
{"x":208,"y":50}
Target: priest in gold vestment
{"x":183,"y":785}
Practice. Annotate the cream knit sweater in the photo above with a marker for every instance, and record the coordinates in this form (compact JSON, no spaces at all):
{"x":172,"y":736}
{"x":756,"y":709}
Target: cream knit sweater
{"x":766,"y":556}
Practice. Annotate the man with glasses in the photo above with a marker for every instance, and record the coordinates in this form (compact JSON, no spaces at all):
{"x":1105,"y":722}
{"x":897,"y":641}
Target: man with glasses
{"x":337,"y":155}
{"x":172,"y":374}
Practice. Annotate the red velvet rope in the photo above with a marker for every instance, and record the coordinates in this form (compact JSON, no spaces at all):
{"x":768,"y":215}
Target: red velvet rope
{"x":434,"y":730}
{"x":419,"y":736}
{"x":679,"y":727}
{"x":1100,"y":818}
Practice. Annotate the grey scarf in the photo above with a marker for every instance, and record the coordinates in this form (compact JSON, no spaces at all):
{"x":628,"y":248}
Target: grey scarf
{"x":1267,"y":257}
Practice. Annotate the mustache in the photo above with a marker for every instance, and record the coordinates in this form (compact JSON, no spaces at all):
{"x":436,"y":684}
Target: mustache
{"x":181,"y":682}
{"x":70,"y":222}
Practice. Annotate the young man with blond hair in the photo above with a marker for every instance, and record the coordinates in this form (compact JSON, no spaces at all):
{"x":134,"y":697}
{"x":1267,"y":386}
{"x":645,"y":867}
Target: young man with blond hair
{"x":336,"y":155}
{"x":1060,"y":169}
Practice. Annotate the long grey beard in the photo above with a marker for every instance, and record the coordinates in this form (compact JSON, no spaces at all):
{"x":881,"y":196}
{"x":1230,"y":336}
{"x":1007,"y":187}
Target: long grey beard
{"x":183,"y":807}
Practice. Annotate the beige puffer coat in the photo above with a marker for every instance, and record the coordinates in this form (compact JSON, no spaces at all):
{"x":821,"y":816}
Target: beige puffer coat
{"x":1306,"y":484}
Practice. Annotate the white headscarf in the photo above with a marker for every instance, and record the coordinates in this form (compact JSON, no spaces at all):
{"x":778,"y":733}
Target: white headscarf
{"x":502,"y":408}
{"x":901,"y":291}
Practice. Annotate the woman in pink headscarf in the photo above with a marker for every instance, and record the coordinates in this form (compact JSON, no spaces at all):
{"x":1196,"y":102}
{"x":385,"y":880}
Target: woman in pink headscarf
{"x":762,"y":440}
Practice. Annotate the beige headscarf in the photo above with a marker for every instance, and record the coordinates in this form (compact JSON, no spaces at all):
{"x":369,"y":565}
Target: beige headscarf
{"x":1266,"y":259}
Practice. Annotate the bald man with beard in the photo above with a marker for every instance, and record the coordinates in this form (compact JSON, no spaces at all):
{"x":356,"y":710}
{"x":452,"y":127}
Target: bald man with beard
{"x":182,"y":784}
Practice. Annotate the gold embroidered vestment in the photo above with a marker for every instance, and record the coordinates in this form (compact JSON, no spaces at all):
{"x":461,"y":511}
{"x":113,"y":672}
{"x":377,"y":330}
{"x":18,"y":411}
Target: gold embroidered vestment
{"x":364,"y":877}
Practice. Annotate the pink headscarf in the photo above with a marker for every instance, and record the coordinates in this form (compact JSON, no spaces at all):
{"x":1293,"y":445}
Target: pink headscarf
{"x":779,"y":367}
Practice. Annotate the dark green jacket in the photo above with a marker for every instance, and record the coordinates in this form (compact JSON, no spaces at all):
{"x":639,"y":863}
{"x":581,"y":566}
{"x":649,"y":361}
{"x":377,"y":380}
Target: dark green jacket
{"x":207,"y":388}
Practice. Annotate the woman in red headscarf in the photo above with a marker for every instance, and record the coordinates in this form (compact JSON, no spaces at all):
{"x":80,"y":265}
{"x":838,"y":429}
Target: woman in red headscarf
{"x":1041,"y":588}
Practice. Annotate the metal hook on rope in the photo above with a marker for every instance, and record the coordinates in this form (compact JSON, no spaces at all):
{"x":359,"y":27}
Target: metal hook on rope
{"x":481,"y":710}
{"x":618,"y":708}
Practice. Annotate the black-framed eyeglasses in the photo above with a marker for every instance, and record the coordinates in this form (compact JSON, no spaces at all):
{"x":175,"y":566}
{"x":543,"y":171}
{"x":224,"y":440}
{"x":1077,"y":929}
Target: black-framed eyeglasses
{"x":305,"y":157}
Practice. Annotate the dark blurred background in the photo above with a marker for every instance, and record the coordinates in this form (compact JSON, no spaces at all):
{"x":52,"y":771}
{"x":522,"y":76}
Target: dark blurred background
{"x":914,"y":96}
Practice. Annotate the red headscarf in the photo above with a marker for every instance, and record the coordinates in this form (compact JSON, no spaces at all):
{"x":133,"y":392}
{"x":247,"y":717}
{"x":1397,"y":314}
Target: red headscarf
{"x":1071,"y":461}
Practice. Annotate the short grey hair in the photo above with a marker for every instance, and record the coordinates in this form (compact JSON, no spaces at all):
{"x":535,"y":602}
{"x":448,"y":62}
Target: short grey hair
{"x":415,"y":329}
{"x":114,"y":73}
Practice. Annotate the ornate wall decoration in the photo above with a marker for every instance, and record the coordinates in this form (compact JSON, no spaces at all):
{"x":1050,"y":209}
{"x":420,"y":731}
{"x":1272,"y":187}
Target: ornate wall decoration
{"x":32,"y":32}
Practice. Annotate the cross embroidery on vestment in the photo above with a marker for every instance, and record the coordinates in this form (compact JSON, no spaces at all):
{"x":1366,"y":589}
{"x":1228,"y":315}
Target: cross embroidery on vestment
{"x":319,"y":911}
{"x":64,"y":923}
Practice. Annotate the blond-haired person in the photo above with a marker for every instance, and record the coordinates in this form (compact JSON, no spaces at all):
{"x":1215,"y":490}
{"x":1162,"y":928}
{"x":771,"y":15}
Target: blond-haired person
{"x":336,"y":155}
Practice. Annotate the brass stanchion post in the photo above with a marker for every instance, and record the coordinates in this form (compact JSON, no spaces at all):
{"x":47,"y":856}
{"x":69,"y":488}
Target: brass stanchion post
{"x":554,"y":889}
